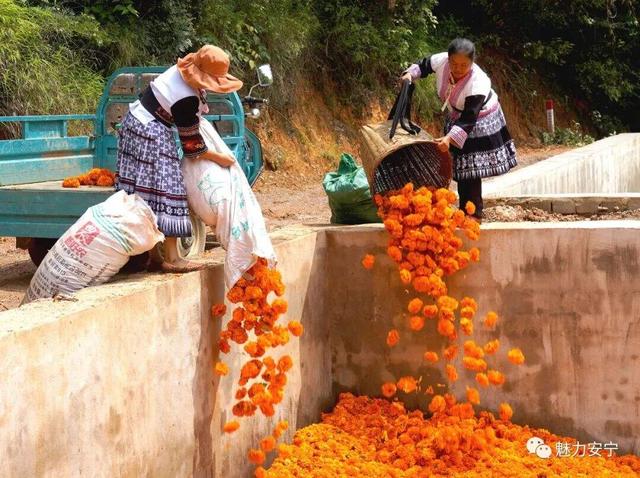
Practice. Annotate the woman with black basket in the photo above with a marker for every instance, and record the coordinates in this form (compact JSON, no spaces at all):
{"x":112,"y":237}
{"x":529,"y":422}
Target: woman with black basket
{"x":475,"y":128}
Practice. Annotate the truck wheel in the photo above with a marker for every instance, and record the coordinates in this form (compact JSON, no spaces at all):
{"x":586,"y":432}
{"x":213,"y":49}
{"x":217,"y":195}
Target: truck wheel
{"x":38,"y":248}
{"x":189,"y":247}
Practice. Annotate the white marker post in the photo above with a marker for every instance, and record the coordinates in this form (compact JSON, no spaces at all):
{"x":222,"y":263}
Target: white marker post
{"x":551,"y":123}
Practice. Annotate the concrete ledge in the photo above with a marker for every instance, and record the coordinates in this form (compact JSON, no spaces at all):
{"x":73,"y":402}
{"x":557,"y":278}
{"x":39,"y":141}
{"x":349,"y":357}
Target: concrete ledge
{"x":571,"y":203}
{"x":120,"y":383}
{"x":611,"y":165}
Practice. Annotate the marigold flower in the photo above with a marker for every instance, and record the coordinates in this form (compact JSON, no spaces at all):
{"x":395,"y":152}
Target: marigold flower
{"x":407,"y":384}
{"x":506,"y":412}
{"x":473,"y":396}
{"x":516,"y":356}
{"x":415,"y":306}
{"x":72,"y":182}
{"x":416,"y":323}
{"x":474,"y":254}
{"x":482,"y":379}
{"x":470,"y":208}
{"x":368,"y":261}
{"x":467,"y":326}
{"x":394,"y":253}
{"x":473,"y":350}
{"x":469,"y":302}
{"x":280,"y":428}
{"x":429,"y":390}
{"x":467,"y":312}
{"x":446,"y":328}
{"x":474,"y":364}
{"x":495,"y":377}
{"x":431,"y":357}
{"x":241,"y":393}
{"x":221,"y":368}
{"x":251,"y":369}
{"x":393,"y":337}
{"x":389,"y":389}
{"x":451,"y":372}
{"x":405,"y":276}
{"x":492,"y":347}
{"x":105,"y":181}
{"x":430,"y":311}
{"x":268,"y":444}
{"x":280,"y":306}
{"x":285,"y":363}
{"x":231,"y":427}
{"x":256,"y":457}
{"x":451,"y":352}
{"x":491,"y":320}
{"x":438,"y":404}
{"x":296,"y":328}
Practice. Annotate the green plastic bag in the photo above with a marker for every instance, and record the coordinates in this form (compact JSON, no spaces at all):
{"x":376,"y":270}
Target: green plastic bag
{"x":349,"y":195}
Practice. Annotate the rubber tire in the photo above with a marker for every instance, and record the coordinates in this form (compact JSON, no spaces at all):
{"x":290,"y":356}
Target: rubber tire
{"x":192,"y":246}
{"x":38,"y":248}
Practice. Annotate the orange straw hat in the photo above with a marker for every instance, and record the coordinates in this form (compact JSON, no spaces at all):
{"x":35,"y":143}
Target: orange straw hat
{"x":208,"y":69}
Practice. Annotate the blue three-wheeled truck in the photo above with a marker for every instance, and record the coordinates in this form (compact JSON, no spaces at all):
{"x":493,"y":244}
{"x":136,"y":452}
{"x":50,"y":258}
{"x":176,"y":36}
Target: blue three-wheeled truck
{"x":36,"y":209}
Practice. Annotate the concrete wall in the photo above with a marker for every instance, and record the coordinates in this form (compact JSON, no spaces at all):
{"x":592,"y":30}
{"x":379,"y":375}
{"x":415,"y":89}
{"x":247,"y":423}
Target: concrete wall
{"x":120,"y":383}
{"x":611,"y":165}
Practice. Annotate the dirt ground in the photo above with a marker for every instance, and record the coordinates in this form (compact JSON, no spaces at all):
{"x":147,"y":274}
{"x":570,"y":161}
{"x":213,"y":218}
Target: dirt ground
{"x":286,"y":198}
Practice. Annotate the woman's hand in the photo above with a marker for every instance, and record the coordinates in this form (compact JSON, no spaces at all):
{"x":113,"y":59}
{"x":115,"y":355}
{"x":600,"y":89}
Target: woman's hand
{"x":223,"y":159}
{"x":443,"y":143}
{"x":406,"y":76}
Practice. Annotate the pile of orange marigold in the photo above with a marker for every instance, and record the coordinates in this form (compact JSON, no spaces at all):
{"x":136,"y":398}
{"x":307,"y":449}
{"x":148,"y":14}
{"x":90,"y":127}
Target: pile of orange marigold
{"x":254,"y":325}
{"x":376,"y":438}
{"x":94,"y":177}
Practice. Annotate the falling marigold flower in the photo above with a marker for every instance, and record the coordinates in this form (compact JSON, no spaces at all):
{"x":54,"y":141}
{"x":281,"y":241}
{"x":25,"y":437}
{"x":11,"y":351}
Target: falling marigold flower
{"x":256,"y":457}
{"x":394,"y":253}
{"x":469,"y":302}
{"x":516,"y":356}
{"x":280,"y":306}
{"x":405,"y":276}
{"x":368,"y":261}
{"x":451,"y":352}
{"x":446,"y":328}
{"x":429,"y":390}
{"x":268,"y":444}
{"x":221,"y":368}
{"x":474,"y":364}
{"x":451,"y":372}
{"x":295,"y":328}
{"x":416,"y":323}
{"x":470,"y":208}
{"x":491,"y":320}
{"x":393,"y":337}
{"x":492,"y":347}
{"x":285,"y":363}
{"x":467,"y":312}
{"x":231,"y":427}
{"x":467,"y":326}
{"x":431,"y":357}
{"x":415,"y":306}
{"x":495,"y":377}
{"x":506,"y":412}
{"x":280,"y":428}
{"x":482,"y":379}
{"x":218,"y":310}
{"x":407,"y":384}
{"x":473,"y":350}
{"x":430,"y":311}
{"x":241,"y":393}
{"x":474,"y":254}
{"x":473,"y":396}
{"x":389,"y":389}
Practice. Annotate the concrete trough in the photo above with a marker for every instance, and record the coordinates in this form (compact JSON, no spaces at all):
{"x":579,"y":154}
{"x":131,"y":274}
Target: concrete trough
{"x":120,"y":382}
{"x":601,"y":177}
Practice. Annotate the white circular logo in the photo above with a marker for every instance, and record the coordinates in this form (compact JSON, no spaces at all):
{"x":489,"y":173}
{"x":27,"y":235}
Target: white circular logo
{"x":543,"y":451}
{"x":533,"y":443}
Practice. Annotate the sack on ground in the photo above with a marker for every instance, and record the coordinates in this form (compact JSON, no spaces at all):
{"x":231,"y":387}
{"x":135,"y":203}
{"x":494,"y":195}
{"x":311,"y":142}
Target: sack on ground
{"x":222,"y":197}
{"x":96,"y":247}
{"x":349,"y":194}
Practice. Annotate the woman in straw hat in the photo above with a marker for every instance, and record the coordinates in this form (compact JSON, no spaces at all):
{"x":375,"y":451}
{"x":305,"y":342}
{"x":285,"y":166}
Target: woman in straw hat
{"x":148,"y":161}
{"x":475,"y":128}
